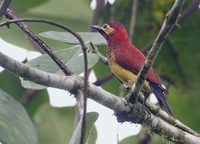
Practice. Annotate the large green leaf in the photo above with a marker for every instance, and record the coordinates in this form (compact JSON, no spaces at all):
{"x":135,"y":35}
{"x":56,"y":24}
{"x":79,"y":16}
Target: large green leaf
{"x":54,"y":125}
{"x":130,"y":140}
{"x":94,"y":37}
{"x":16,"y":127}
{"x":90,"y":120}
{"x":25,"y":5}
{"x":11,"y":85}
{"x":64,"y":14}
{"x":72,"y":57}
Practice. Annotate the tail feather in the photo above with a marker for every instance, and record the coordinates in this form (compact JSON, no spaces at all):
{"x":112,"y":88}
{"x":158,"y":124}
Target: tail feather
{"x":161,"y":94}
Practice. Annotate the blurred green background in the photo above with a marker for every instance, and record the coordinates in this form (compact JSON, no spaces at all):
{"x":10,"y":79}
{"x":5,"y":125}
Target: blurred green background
{"x":178,"y":63}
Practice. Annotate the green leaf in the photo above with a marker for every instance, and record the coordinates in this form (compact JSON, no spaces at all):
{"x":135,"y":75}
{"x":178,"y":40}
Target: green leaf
{"x":90,"y":120}
{"x":66,"y":37}
{"x":12,"y":85}
{"x":130,"y":140}
{"x":16,"y":127}
{"x":39,"y":98}
{"x":93,"y":136}
{"x":42,"y":9}
{"x":54,"y":125}
{"x":72,"y":57}
{"x":24,"y":5}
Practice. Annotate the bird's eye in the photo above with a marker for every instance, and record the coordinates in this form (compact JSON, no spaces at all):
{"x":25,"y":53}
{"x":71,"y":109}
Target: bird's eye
{"x":105,"y":26}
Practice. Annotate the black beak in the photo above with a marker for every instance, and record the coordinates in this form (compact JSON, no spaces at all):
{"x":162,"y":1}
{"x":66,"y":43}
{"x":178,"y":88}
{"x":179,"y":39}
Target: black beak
{"x":96,"y":27}
{"x":100,"y":30}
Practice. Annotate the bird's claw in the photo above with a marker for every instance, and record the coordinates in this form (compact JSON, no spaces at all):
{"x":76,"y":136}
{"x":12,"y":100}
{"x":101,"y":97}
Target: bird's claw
{"x":74,"y":90}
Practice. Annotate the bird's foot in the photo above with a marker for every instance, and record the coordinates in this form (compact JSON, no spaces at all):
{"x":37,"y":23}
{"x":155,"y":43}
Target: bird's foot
{"x":132,"y":99}
{"x":146,"y":108}
{"x":74,"y":90}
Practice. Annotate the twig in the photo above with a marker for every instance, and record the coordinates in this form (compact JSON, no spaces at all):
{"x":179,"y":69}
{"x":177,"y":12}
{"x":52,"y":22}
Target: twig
{"x":103,"y":79}
{"x":171,"y":120}
{"x":156,"y":124}
{"x":60,"y":63}
{"x":3,"y":6}
{"x":83,"y":128}
{"x":11,"y":14}
{"x":169,"y":23}
{"x":80,"y":104}
{"x":102,"y":58}
{"x":189,"y":10}
{"x":133,"y":19}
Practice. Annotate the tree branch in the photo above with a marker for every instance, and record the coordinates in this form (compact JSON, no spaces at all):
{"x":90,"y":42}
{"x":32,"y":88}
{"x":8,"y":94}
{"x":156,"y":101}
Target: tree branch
{"x":133,"y":19}
{"x":169,"y":23}
{"x":103,"y":79}
{"x":163,"y":115}
{"x":137,"y":114}
{"x":3,"y":6}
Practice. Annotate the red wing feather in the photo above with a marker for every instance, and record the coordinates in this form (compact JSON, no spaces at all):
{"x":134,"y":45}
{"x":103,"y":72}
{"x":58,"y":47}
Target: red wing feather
{"x":132,"y":59}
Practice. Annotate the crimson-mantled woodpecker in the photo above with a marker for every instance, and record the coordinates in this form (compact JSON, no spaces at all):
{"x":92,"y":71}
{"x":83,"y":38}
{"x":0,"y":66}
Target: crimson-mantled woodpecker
{"x":125,"y":61}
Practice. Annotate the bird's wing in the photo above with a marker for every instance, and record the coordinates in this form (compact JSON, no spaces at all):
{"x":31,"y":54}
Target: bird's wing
{"x":132,"y":59}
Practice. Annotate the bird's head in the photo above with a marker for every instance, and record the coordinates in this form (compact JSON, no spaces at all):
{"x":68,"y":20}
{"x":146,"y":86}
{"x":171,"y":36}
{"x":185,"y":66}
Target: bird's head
{"x":112,"y":30}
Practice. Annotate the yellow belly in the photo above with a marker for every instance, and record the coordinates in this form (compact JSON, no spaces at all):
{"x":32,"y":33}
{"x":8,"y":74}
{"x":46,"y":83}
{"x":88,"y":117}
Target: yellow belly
{"x":127,"y":77}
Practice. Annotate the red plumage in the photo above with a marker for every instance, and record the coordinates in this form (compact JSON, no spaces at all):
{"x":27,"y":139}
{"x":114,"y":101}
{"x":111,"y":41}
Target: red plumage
{"x":132,"y":59}
{"x":126,"y":61}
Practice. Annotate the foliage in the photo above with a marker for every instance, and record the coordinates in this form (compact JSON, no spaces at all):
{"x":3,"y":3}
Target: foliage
{"x":16,"y":126}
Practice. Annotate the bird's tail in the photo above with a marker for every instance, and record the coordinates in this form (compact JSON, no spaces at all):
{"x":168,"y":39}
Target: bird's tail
{"x":161,"y":94}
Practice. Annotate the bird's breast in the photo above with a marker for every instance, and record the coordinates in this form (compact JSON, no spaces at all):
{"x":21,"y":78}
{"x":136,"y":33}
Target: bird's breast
{"x":125,"y":76}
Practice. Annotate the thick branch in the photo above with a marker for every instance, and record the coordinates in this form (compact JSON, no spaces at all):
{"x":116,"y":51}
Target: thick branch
{"x":103,"y":97}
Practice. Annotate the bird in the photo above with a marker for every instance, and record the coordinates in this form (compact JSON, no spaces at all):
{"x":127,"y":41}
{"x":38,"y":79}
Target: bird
{"x":125,"y":61}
